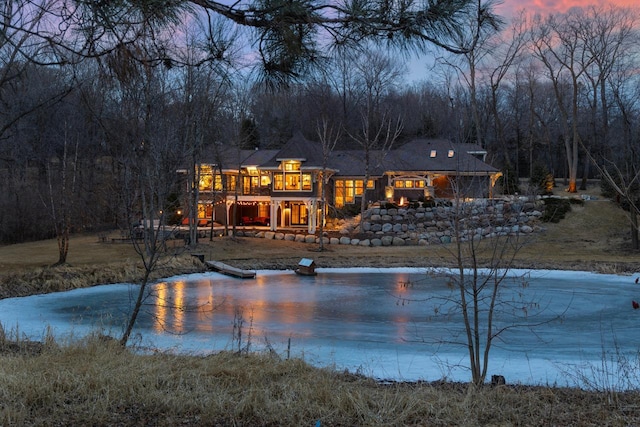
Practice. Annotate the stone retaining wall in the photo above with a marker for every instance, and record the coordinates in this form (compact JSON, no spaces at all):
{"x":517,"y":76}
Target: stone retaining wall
{"x":425,"y":225}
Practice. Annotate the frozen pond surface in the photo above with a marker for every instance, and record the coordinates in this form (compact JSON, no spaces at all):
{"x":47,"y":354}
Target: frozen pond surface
{"x":363,"y":320}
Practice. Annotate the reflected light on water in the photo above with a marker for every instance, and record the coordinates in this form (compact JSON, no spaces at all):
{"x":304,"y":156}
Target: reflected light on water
{"x":170,"y":307}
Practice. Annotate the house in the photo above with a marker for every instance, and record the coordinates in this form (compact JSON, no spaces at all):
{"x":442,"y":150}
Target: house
{"x":283,"y":188}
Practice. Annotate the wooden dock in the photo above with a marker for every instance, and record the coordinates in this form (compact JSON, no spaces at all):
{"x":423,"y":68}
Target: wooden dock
{"x":223,"y":268}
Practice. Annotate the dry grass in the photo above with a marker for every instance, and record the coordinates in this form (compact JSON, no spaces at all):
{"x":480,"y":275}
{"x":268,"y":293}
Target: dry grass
{"x":95,"y":382}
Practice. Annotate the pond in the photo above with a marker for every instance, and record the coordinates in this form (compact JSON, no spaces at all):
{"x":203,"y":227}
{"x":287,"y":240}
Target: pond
{"x":563,"y":328}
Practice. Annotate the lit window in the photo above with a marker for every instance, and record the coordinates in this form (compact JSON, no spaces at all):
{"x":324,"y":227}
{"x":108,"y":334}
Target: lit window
{"x":306,"y":182}
{"x":231,"y":182}
{"x":292,"y":181}
{"x":292,"y":166}
{"x":206,"y":178}
{"x":433,"y":153}
{"x":277,"y":182}
{"x":450,"y":153}
{"x":347,"y":190}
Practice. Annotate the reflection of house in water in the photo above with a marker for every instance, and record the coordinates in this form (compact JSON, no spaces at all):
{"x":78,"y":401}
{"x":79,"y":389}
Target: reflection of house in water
{"x":283,"y":188}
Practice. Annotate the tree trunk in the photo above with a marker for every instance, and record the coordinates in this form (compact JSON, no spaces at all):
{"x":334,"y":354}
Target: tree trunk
{"x":136,"y":310}
{"x":635,"y":242}
{"x":63,"y":246}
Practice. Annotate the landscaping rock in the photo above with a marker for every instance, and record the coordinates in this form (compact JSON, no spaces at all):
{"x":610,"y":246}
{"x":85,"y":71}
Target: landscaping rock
{"x":397,"y":241}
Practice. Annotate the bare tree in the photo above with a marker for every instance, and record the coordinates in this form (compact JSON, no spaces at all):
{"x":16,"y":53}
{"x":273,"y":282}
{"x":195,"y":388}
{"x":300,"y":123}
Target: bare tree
{"x":152,"y":153}
{"x":204,"y":84}
{"x":606,"y":33}
{"x":378,"y":128}
{"x":484,"y":291}
{"x":61,"y":195}
{"x":556,"y":42}
{"x":328,"y":136}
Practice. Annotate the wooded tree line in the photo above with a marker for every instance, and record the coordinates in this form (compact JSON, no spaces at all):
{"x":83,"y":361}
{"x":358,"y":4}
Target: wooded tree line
{"x":104,"y":101}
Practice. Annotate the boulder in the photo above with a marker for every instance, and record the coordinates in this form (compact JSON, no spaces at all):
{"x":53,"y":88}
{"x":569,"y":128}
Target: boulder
{"x":398,"y":241}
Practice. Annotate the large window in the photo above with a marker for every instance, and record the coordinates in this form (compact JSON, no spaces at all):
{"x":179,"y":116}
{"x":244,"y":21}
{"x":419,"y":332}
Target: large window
{"x":250,"y":184}
{"x":348,"y":189}
{"x":232,"y":181}
{"x":290,"y":178}
{"x":298,"y":214}
{"x":291,"y":181}
{"x":208,"y":179}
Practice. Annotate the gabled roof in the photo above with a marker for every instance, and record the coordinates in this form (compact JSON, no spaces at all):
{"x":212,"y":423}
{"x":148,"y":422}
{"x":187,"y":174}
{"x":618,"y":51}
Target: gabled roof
{"x":297,"y":148}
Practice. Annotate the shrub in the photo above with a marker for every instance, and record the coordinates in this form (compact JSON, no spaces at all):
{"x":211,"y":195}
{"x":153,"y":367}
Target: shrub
{"x":555,"y":209}
{"x":542,"y":180}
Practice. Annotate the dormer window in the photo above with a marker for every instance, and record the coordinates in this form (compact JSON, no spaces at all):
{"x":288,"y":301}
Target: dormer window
{"x":291,"y":166}
{"x":432,"y":154}
{"x":450,"y":154}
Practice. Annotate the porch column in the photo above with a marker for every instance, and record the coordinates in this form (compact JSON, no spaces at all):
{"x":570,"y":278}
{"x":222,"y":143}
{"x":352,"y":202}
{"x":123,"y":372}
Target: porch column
{"x":229,"y":220}
{"x":311,"y":224}
{"x":273,"y":216}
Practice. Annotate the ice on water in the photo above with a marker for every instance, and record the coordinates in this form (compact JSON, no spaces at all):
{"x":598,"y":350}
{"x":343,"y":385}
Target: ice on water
{"x":365,"y":320}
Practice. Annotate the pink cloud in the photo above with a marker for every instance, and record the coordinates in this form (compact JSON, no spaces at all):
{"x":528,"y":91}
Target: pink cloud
{"x":511,"y":7}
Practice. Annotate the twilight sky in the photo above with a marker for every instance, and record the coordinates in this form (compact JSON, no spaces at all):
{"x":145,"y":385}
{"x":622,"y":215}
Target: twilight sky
{"x":418,"y":67}
{"x":508,"y":7}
